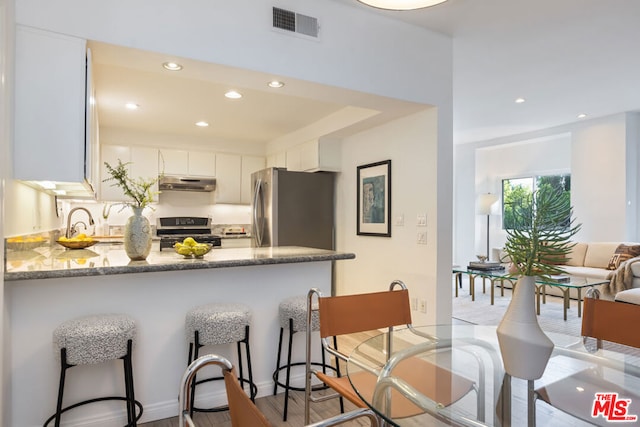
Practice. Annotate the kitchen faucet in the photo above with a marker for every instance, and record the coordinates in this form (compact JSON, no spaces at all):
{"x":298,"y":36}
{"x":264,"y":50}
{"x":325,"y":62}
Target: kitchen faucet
{"x":71,"y":229}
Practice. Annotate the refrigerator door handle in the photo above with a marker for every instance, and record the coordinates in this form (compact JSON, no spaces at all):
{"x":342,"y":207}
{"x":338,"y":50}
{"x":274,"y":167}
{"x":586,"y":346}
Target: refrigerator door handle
{"x":257,"y":193}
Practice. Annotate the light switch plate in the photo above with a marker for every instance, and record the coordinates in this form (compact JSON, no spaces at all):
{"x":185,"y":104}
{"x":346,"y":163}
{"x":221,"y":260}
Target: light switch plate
{"x":422,"y":220}
{"x":400,"y":220}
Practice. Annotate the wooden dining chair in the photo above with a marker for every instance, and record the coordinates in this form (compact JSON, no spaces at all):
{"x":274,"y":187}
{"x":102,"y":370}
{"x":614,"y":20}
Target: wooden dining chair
{"x":242,"y":411}
{"x":340,"y":315}
{"x":605,"y":321}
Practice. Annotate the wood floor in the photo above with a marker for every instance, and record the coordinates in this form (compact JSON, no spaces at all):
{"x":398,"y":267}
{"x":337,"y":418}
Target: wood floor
{"x":272,"y":406}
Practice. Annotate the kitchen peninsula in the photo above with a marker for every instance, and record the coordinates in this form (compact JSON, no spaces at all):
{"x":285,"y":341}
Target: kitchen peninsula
{"x":48,"y":286}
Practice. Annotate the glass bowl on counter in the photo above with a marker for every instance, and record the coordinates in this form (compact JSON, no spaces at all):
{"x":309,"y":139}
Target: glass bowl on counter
{"x":197,"y":250}
{"x":76,"y":243}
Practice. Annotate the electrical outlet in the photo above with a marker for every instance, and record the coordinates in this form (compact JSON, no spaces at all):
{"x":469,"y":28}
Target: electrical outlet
{"x":400,"y":220}
{"x":423,"y":305}
{"x":414,"y":303}
{"x":422,"y":237}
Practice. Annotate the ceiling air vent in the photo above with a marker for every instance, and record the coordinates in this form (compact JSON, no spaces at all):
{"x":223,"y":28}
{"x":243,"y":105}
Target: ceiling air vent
{"x":295,"y":22}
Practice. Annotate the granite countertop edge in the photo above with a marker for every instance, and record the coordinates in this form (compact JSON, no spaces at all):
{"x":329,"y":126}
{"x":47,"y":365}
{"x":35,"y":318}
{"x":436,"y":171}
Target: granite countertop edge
{"x":179,"y":264}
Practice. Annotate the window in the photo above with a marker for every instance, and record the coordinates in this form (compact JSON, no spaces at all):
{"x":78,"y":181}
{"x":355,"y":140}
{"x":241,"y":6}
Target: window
{"x":517,"y":192}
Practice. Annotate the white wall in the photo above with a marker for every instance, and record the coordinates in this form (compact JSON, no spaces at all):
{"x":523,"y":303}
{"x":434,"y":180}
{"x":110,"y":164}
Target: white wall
{"x":540,"y":156}
{"x":6,"y":129}
{"x":603,"y":161}
{"x":411,"y":145}
{"x":599,"y":193}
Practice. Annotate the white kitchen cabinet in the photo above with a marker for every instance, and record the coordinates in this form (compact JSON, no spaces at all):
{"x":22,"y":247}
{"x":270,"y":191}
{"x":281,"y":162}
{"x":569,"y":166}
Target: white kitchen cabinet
{"x":143,"y":164}
{"x":110,"y":154}
{"x":50,"y":140}
{"x":277,"y":160}
{"x":189,"y":163}
{"x":233,"y":177}
{"x":315,"y":155}
{"x":228,"y":186}
{"x":250,"y":164}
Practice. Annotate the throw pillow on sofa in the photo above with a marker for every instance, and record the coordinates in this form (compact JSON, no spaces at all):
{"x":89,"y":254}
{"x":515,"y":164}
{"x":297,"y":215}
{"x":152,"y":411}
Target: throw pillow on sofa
{"x":623,"y":253}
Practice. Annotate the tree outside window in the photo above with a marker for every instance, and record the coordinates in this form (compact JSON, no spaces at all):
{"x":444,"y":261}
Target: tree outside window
{"x":517,"y":193}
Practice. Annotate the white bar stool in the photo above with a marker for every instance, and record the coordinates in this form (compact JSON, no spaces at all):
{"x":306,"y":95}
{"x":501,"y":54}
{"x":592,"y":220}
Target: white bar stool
{"x":215,"y":324}
{"x":292,"y":312}
{"x":91,"y":340}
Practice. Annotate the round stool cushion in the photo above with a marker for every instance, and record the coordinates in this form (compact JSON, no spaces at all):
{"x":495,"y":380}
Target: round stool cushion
{"x":95,"y":339}
{"x":296,"y":308}
{"x":218,"y":323}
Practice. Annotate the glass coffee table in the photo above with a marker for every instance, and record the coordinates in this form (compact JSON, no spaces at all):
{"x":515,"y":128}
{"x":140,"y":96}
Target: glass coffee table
{"x":575,"y":282}
{"x":494,"y":276}
{"x":499,"y":276}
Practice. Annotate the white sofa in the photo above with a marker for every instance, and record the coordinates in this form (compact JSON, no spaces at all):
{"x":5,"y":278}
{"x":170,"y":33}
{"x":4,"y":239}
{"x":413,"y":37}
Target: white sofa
{"x":591,"y":259}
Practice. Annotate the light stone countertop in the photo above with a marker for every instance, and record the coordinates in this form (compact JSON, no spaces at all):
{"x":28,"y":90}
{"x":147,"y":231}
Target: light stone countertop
{"x":104,"y":259}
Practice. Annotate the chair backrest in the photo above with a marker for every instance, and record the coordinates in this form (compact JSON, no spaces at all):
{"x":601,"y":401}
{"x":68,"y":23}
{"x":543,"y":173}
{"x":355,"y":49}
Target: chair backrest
{"x":347,"y":314}
{"x":242,"y":410}
{"x":611,"y":321}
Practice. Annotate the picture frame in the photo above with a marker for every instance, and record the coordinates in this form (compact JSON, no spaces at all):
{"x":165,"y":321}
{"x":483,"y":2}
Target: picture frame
{"x":374,"y":199}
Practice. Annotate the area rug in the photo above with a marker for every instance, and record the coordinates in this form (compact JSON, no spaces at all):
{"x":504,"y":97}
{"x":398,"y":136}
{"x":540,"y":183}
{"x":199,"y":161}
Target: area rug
{"x":551,"y":318}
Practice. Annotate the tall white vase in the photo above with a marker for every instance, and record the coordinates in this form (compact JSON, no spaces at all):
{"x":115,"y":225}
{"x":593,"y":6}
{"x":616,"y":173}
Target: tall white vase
{"x":524,"y":346}
{"x":137,"y":236}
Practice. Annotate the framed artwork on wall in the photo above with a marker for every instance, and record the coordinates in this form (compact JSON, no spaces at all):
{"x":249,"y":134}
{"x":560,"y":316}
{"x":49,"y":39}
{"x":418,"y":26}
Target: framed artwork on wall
{"x":374,"y":199}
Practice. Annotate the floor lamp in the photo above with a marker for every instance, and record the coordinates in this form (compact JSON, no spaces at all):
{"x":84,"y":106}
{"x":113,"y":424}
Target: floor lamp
{"x":485,"y":203}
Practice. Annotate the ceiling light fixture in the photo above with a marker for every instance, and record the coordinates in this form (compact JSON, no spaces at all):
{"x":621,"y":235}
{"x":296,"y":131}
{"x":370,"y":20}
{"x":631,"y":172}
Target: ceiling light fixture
{"x":276,"y":84}
{"x":401,"y":4}
{"x":519,"y":100}
{"x":582,"y":115}
{"x":132,"y":106}
{"x":202,"y":124}
{"x":232,"y":94}
{"x":172,"y":66}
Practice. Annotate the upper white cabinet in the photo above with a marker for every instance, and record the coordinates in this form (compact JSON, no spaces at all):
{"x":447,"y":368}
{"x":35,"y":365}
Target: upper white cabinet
{"x":51,"y":139}
{"x":233,"y":177}
{"x":142,"y":161}
{"x":278,"y":160}
{"x":250,"y":164}
{"x":315,"y":155}
{"x":191,"y":163}
{"x":228,"y":184}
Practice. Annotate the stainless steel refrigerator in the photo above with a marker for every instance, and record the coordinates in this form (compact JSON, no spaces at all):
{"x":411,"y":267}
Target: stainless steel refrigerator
{"x":293,"y":208}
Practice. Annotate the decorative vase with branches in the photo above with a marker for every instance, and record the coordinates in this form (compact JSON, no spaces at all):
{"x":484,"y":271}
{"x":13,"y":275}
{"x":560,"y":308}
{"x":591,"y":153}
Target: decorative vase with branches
{"x":137,"y":232}
{"x":538,"y":242}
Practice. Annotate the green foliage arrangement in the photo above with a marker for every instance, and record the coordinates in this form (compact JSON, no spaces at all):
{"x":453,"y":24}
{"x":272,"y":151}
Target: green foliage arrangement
{"x":138,"y":189}
{"x":540,"y":238}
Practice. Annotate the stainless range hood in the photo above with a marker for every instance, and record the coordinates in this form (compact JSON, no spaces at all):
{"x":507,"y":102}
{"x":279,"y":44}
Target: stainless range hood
{"x":184,"y":183}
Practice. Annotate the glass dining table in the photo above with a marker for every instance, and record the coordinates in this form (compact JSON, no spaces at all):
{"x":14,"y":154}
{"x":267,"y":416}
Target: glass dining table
{"x":453,"y":375}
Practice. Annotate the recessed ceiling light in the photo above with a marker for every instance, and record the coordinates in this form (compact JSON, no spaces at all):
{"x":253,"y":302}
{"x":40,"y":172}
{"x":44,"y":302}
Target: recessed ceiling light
{"x":582,"y":115}
{"x":519,"y":100}
{"x":172,"y":66}
{"x":132,"y":106}
{"x":232,"y":94}
{"x":202,"y":124}
{"x":401,"y":4}
{"x":276,"y":84}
